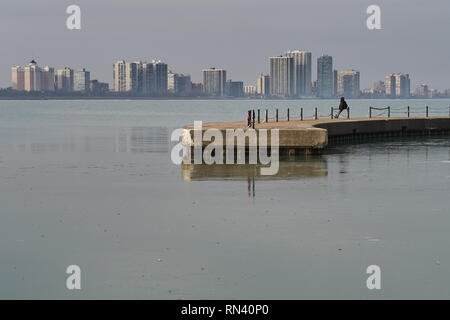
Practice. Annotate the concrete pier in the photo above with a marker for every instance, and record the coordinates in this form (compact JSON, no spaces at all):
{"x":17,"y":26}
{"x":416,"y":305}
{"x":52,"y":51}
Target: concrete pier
{"x":312,"y":136}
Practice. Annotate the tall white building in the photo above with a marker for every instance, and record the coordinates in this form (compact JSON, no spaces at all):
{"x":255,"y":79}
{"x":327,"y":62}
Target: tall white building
{"x":263,"y":85}
{"x":65,"y":79}
{"x":214,"y":81}
{"x":140,"y":77}
{"x":398,"y":85}
{"x":302,"y":72}
{"x":33,"y":78}
{"x":325,"y":76}
{"x":349,"y":84}
{"x":281,"y":76}
{"x":119,"y":76}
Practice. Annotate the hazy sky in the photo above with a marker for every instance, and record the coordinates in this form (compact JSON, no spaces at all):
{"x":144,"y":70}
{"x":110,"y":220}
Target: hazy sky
{"x":238,"y":35}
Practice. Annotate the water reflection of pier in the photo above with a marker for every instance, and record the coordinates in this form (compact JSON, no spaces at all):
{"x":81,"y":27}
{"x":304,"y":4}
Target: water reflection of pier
{"x":294,"y":168}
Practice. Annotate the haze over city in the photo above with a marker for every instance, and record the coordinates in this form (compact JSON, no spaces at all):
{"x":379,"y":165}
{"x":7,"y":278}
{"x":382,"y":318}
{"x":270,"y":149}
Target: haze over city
{"x":239,"y":37}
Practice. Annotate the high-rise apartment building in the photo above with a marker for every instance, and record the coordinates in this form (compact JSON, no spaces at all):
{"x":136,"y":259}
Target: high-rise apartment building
{"x":422,"y":91}
{"x":249,"y":90}
{"x":335,"y":83}
{"x":263,"y":85}
{"x":82,"y":80}
{"x":234,"y":88}
{"x":348,"y":84}
{"x":64,"y":80}
{"x":160,"y":75}
{"x":18,"y":78}
{"x":402,"y":85}
{"x":398,"y":85}
{"x":214,"y":81}
{"x":33,"y":78}
{"x":390,"y":86}
{"x":281,"y":76}
{"x":119,"y":76}
{"x":178,"y":83}
{"x":302,"y":72}
{"x":325,"y":76}
{"x":140,"y":77}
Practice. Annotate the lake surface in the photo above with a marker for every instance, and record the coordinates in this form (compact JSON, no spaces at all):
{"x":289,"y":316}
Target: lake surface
{"x":91,"y":183}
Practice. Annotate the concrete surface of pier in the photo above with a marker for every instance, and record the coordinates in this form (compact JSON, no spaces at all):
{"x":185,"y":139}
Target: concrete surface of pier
{"x":312,"y":136}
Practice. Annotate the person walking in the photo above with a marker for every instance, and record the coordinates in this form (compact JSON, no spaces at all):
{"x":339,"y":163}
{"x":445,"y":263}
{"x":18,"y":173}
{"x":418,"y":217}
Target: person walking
{"x":342,"y":106}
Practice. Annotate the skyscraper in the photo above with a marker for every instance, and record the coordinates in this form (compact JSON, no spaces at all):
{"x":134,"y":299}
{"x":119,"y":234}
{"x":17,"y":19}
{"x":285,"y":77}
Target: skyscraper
{"x":348,"y":84}
{"x":82,"y":80}
{"x":33,"y":78}
{"x":335,"y":83}
{"x":422,"y":91}
{"x":48,"y":79}
{"x":148,"y":76}
{"x":325,"y":76}
{"x":263,"y":85}
{"x":178,"y":83}
{"x":234,"y":88}
{"x":398,"y":85}
{"x":160,"y":75}
{"x":119,"y":76}
{"x":140,"y":77}
{"x":302,"y":72}
{"x":214,"y":81}
{"x":65,"y":80}
{"x":390,"y":85}
{"x":281,"y":76}
{"x":131,"y":76}
{"x":18,"y":78}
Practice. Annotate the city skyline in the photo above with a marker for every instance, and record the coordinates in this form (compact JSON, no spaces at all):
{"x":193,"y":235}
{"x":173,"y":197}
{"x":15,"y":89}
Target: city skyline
{"x":286,"y":79}
{"x":241,"y":43}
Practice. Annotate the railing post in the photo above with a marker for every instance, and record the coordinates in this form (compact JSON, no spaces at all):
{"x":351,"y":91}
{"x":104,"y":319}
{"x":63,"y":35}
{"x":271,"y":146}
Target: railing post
{"x":331,"y":115}
{"x":267,"y":115}
{"x":259,"y":119}
{"x":315,"y":113}
{"x":301,"y":113}
{"x":370,"y":112}
{"x":276,"y":115}
{"x":408,"y":111}
{"x":427,"y":111}
{"x":389,"y":111}
{"x":253,"y":119}
{"x":287,"y":114}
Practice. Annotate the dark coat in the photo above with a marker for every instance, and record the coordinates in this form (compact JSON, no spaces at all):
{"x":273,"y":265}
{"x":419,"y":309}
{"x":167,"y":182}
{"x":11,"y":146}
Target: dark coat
{"x":343,"y":105}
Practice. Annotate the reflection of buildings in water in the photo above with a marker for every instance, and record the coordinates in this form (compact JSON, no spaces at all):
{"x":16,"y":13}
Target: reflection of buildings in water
{"x":251,"y":186}
{"x":308,"y":167}
{"x":142,"y":139}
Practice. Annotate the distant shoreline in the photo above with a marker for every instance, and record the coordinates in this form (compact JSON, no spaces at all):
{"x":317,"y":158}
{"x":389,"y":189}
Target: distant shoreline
{"x":38,"y":98}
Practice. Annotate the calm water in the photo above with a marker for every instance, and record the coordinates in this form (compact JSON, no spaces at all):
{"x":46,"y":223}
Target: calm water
{"x":91,"y":183}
